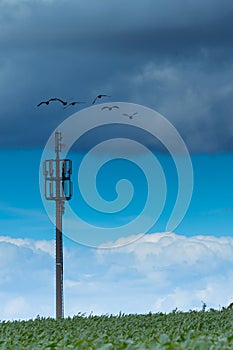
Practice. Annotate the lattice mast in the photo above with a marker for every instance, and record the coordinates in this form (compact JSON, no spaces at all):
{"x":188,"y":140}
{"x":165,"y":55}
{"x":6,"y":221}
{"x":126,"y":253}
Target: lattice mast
{"x":58,"y":187}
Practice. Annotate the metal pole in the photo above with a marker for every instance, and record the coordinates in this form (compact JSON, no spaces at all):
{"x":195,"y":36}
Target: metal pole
{"x":59,"y":262}
{"x":59,"y":245}
{"x":58,"y":187}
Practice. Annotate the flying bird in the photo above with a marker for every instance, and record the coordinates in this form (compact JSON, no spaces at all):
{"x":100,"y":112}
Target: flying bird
{"x":73,"y":103}
{"x":59,"y":100}
{"x":130,"y":116}
{"x":100,"y":96}
{"x":43,"y":102}
{"x":109,"y":107}
{"x":52,"y":99}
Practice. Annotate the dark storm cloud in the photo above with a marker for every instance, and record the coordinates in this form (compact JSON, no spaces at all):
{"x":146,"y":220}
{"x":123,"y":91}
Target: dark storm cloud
{"x":173,"y":56}
{"x":63,"y":24}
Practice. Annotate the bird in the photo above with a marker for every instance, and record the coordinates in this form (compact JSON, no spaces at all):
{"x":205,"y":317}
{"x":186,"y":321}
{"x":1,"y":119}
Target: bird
{"x":52,"y":99}
{"x":59,"y":100}
{"x":43,"y":102}
{"x":109,"y":107}
{"x":73,"y":103}
{"x":99,"y":96}
{"x":130,"y":115}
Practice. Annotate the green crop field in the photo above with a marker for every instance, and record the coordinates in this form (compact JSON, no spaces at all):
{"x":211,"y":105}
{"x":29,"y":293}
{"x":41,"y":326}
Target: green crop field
{"x":177,"y":330}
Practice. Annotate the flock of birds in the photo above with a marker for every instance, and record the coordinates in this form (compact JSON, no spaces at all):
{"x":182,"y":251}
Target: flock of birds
{"x":73,"y":103}
{"x":66,"y":104}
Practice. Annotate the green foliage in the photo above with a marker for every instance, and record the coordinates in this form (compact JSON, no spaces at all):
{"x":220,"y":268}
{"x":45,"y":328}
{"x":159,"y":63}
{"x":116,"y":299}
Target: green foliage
{"x":194,"y":330}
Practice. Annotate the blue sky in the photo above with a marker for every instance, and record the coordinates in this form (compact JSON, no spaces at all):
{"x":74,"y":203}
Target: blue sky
{"x":210,"y":210}
{"x":180,"y":269}
{"x":169,"y":56}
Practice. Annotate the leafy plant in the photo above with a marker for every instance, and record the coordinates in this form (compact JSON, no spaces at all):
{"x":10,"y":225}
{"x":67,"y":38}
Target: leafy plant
{"x":178,"y":330}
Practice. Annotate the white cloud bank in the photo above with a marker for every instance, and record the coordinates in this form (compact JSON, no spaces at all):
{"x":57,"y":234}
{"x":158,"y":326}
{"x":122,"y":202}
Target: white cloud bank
{"x":159,"y":272}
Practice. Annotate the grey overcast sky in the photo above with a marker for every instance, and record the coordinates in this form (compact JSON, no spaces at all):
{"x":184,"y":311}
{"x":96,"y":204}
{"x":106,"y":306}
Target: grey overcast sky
{"x":175,"y":56}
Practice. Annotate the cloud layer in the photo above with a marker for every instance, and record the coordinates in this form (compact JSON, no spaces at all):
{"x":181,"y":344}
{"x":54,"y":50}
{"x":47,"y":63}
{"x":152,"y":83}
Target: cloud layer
{"x":159,"y":272}
{"x":174,"y":57}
